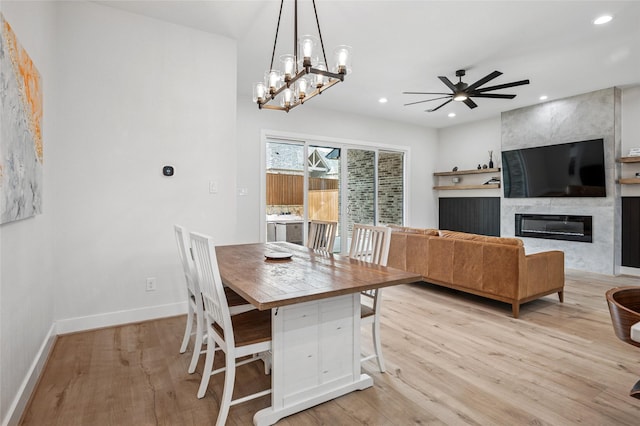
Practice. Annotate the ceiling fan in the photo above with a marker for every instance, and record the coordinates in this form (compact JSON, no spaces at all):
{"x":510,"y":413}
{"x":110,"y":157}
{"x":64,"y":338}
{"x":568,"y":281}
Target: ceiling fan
{"x":463,"y":92}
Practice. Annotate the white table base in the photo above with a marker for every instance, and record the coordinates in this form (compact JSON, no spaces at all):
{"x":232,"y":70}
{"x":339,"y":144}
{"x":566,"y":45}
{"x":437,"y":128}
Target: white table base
{"x":316,"y":355}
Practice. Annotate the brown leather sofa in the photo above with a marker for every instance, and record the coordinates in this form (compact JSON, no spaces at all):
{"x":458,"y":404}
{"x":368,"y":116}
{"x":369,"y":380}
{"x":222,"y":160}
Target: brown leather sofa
{"x":492,"y":267}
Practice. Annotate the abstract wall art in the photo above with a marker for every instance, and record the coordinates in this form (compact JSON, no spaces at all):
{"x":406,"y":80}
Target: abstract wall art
{"x":21,"y":153}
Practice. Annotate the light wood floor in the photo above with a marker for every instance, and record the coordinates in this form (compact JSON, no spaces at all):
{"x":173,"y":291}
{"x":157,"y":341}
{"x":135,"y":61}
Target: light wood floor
{"x":452,"y":359}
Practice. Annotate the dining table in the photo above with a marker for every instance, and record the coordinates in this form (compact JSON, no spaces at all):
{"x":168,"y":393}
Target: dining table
{"x":314,"y":298}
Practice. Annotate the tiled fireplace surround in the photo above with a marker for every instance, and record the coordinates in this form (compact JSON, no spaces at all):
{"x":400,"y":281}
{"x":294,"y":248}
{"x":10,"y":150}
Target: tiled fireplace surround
{"x":590,"y":116}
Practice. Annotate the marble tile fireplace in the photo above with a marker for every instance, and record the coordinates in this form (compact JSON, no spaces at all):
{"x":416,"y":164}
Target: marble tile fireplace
{"x":594,"y":115}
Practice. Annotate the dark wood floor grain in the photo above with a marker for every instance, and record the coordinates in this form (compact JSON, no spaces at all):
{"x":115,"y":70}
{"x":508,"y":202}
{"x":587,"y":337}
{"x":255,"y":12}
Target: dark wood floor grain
{"x":452,"y":359}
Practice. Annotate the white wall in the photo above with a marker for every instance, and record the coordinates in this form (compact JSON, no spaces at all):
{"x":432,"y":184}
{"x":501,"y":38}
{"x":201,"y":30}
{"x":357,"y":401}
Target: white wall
{"x":465,"y":146}
{"x":138,"y":94}
{"x":26,"y":284}
{"x":123,"y":96}
{"x":308,"y":120}
{"x":630,"y":137}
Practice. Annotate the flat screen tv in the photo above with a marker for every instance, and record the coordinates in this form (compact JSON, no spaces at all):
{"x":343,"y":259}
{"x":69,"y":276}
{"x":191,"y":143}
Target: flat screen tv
{"x":573,"y":169}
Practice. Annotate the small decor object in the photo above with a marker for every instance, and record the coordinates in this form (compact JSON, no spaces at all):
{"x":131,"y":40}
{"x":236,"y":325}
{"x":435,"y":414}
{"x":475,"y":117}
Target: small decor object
{"x":304,"y":72}
{"x":484,"y":166}
{"x":634,"y":152}
{"x":455,"y":169}
{"x":455,"y":180}
{"x":479,"y":166}
{"x":491,"y":159}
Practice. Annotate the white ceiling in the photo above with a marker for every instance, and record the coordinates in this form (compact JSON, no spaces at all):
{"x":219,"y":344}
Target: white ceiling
{"x":404,"y":45}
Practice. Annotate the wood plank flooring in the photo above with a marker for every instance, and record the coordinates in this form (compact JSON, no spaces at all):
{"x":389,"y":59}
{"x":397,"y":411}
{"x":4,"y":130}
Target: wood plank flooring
{"x":452,"y":359}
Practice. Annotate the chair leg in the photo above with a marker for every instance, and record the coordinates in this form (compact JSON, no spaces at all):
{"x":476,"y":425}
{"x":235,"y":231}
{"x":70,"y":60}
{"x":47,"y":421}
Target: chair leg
{"x":197,"y":347}
{"x":375,"y":331}
{"x":229,"y":380}
{"x":208,"y":366}
{"x":187,"y":330}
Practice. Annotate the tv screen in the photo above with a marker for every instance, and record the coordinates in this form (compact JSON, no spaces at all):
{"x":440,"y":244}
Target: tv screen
{"x":573,"y":169}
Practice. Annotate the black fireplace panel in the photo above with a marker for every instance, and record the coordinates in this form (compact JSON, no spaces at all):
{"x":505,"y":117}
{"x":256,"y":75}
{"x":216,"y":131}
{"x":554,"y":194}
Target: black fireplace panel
{"x":555,"y":227}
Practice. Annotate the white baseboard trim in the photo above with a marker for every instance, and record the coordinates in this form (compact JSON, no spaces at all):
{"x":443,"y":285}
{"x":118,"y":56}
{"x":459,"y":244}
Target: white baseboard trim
{"x":110,"y":319}
{"x":31,"y":379}
{"x":626,"y":270}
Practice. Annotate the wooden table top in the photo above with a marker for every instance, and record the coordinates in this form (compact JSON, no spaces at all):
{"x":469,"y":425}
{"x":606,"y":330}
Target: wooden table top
{"x":306,"y":276}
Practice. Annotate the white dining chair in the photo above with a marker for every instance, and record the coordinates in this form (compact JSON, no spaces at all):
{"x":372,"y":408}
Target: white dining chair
{"x":194,"y":299}
{"x":322,"y":235}
{"x":371,"y":244}
{"x":238,"y":336}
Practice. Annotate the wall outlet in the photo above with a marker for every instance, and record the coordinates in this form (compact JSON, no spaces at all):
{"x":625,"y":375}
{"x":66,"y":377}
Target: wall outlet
{"x":151,"y":284}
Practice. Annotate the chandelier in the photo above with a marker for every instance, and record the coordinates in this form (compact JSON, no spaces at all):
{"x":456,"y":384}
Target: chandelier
{"x":303,"y":74}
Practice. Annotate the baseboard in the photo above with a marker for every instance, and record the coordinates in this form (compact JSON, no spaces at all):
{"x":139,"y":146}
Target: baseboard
{"x":31,"y":379}
{"x":77,"y":324}
{"x":626,"y":270}
{"x":110,"y":319}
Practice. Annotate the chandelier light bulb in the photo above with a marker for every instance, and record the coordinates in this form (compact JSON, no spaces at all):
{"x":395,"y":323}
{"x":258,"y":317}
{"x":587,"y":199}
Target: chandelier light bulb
{"x":274,"y":78}
{"x":287,"y":96}
{"x":288,"y":66}
{"x":320,"y":79}
{"x":343,"y":59}
{"x":303,"y":85}
{"x":307,"y":47}
{"x":259,"y":92}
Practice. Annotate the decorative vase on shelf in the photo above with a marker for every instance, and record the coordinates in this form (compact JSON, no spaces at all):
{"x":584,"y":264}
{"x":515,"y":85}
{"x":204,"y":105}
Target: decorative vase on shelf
{"x":491,"y":159}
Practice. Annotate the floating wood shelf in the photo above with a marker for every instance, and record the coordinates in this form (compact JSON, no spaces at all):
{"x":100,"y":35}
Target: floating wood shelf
{"x":629,"y":181}
{"x":468,"y":172}
{"x":487,"y":186}
{"x":629,"y":159}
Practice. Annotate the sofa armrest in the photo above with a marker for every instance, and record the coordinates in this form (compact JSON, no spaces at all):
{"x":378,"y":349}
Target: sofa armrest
{"x":544,"y":273}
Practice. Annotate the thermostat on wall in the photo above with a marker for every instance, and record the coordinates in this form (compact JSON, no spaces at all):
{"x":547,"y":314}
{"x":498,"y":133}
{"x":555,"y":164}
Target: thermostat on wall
{"x":167,"y":170}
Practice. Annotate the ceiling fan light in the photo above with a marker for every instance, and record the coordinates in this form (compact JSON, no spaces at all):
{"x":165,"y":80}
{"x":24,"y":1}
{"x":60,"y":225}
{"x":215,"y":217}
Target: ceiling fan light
{"x":460,"y":97}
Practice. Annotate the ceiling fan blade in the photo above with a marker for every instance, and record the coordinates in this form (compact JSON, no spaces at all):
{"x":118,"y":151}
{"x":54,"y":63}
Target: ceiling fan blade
{"x":448,"y":83}
{"x":427,"y":100}
{"x":425,"y":93}
{"x":468,"y":102}
{"x":484,"y":80}
{"x":493,"y":95}
{"x":502,"y":86}
{"x":440,"y":106}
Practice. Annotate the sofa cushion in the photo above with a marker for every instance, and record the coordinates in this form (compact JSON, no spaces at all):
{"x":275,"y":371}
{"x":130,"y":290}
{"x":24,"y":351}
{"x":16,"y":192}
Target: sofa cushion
{"x":481,"y":238}
{"x":398,"y":251}
{"x":408,"y":230}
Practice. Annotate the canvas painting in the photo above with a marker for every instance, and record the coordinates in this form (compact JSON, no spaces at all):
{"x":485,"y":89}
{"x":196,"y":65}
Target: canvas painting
{"x":21,"y":155}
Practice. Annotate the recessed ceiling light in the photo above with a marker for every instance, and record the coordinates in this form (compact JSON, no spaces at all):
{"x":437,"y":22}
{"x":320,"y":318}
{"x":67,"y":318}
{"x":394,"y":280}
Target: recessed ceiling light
{"x":383,"y":100}
{"x":602,"y":19}
{"x":451,"y":114}
{"x":544,"y":97}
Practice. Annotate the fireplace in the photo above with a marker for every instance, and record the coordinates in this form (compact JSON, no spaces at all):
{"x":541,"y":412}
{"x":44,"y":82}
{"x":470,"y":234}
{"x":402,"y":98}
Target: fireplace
{"x":555,"y":227}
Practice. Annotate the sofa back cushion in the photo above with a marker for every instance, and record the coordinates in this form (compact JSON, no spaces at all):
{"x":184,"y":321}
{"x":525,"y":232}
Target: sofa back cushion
{"x":481,"y":238}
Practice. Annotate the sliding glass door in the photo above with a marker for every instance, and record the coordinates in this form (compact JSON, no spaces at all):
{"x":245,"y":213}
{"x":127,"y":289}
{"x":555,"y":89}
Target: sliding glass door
{"x":345,"y":184}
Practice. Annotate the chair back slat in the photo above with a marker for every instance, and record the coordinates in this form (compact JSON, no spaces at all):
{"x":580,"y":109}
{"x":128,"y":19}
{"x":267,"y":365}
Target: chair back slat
{"x":370,"y":244}
{"x":186,"y":258}
{"x":322,"y":235}
{"x":216,"y":308}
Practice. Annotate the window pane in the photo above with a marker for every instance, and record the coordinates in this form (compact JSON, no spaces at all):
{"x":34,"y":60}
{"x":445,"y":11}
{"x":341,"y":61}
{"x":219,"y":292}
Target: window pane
{"x":390,"y":187}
